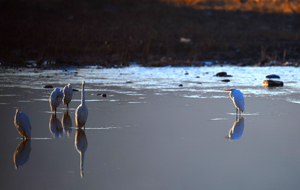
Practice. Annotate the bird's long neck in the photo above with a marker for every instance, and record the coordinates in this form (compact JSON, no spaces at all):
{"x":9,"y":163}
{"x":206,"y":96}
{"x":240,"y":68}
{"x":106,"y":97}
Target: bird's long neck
{"x":82,"y":96}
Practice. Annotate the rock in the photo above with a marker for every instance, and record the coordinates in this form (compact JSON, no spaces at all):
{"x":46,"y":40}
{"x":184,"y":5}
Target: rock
{"x":223,"y":74}
{"x":75,"y":90}
{"x":186,"y":73}
{"x":197,"y":77}
{"x":273,"y":76}
{"x":225,"y":80}
{"x":48,"y":86}
{"x":272,"y":83}
{"x":180,"y":85}
{"x":103,"y":95}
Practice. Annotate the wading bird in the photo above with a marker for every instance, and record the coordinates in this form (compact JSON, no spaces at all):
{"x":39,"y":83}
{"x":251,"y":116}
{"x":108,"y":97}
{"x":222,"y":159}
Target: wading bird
{"x":55,"y":99}
{"x":81,"y":112}
{"x":68,"y":93}
{"x":238,"y":99}
{"x":22,"y":124}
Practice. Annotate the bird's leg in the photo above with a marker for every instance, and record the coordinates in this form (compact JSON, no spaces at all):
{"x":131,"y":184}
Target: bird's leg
{"x":236,"y":112}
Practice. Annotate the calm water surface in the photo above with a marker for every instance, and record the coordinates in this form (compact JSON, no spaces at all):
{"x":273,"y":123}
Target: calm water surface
{"x":149,"y":133}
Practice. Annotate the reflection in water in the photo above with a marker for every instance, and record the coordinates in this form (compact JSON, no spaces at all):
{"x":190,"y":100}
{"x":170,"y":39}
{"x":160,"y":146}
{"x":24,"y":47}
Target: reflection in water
{"x":55,"y":126}
{"x":22,"y":153}
{"x":81,"y":146}
{"x":66,"y":122}
{"x":237,"y":129}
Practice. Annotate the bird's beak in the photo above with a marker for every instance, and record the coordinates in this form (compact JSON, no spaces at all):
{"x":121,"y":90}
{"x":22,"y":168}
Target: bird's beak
{"x":228,"y":90}
{"x":227,"y":137}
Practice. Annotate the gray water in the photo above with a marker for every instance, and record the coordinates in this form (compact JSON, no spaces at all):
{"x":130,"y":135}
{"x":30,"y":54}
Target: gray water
{"x":150,"y":133}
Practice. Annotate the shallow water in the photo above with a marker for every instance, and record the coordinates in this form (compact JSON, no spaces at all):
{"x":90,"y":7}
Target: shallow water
{"x":149,"y":133}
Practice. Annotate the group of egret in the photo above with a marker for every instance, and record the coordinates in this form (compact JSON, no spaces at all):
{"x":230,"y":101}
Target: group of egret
{"x":57,"y":96}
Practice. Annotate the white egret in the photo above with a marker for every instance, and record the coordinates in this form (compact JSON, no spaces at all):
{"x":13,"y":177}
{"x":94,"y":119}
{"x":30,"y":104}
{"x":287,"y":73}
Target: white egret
{"x":22,"y":124}
{"x":81,"y":112}
{"x":81,"y":146}
{"x":55,"y":99}
{"x":68,"y":93}
{"x":238,"y":99}
{"x":21,"y":155}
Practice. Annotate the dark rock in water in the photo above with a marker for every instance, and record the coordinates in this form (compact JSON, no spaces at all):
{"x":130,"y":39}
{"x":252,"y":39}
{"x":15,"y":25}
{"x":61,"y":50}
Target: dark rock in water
{"x":273,"y":76}
{"x":75,"y":90}
{"x":272,"y":83}
{"x":186,"y":73}
{"x":129,"y":82}
{"x":48,"y":86}
{"x":223,"y":74}
{"x":103,"y":95}
{"x":197,"y":76}
{"x":225,"y":80}
{"x":180,"y":85}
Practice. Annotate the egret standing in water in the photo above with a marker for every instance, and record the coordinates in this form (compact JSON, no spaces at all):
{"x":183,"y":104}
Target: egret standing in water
{"x":238,"y":99}
{"x":22,"y":124}
{"x":68,"y":93}
{"x":55,"y":99}
{"x":81,"y":112}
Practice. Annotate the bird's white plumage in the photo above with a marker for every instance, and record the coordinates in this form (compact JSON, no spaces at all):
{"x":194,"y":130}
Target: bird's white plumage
{"x":81,"y":146}
{"x":81,"y":112}
{"x":68,"y":93}
{"x":55,"y":99}
{"x":238,"y":99}
{"x":22,"y":124}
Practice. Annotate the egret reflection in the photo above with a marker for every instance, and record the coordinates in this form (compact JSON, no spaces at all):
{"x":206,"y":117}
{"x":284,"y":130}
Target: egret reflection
{"x":21,"y":155}
{"x":66,"y":122}
{"x":55,"y":126}
{"x":237,"y":129}
{"x":81,"y":146}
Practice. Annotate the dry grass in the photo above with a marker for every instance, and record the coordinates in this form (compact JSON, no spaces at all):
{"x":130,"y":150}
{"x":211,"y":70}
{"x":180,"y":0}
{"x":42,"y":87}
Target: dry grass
{"x":148,"y":32}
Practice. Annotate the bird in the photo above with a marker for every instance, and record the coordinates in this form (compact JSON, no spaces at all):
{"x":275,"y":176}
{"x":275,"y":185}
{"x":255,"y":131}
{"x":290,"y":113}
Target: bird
{"x":81,"y":146}
{"x":21,"y":155}
{"x":22,"y":124}
{"x":81,"y":112}
{"x":68,"y":93}
{"x":55,"y":99}
{"x":238,"y":99}
{"x":237,"y":129}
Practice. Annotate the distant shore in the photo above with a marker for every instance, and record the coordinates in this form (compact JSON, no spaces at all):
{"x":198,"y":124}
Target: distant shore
{"x":149,"y":33}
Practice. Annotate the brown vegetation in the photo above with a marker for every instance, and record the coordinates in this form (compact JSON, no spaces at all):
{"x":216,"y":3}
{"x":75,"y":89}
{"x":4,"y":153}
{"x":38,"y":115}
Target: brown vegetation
{"x":148,"y":32}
